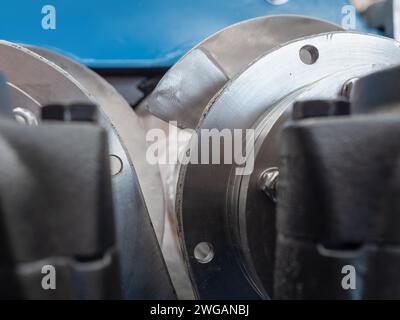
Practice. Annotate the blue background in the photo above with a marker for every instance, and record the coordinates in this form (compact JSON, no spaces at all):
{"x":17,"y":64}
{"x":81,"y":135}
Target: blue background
{"x":139,"y":33}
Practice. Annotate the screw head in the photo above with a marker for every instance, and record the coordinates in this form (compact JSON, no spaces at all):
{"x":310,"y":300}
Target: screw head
{"x":268,"y":182}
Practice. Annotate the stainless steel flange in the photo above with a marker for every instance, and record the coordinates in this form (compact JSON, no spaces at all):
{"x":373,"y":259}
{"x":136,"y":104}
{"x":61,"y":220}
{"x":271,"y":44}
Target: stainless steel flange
{"x":35,"y":81}
{"x":185,"y":90}
{"x":226,"y":220}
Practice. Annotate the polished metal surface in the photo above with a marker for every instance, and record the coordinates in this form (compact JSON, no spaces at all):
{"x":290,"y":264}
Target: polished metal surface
{"x":230,"y":212}
{"x":185,"y":90}
{"x":35,"y":81}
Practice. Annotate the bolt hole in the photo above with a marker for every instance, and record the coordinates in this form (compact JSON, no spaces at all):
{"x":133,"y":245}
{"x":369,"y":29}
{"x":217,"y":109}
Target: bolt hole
{"x":309,"y":54}
{"x":204,"y":252}
{"x":115,"y":164}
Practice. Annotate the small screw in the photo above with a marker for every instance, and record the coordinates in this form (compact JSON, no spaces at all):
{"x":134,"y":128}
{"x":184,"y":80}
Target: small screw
{"x":268,"y":182}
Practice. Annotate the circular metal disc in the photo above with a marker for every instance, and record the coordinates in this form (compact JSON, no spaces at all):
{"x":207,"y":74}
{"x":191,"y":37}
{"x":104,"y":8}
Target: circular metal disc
{"x":230,"y":212}
{"x":35,"y":81}
{"x":183,"y":93}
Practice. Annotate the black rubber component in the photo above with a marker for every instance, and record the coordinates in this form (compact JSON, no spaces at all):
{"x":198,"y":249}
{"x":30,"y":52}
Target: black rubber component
{"x":338,"y":205}
{"x":56,"y":209}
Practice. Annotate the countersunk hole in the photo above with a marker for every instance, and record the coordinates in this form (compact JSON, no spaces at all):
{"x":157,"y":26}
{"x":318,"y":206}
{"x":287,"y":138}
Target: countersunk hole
{"x":115,"y":164}
{"x":309,"y":54}
{"x":204,"y":252}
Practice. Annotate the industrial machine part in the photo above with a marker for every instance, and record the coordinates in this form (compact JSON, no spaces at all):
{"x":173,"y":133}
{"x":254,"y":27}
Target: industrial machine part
{"x":51,"y":224}
{"x":286,"y":79}
{"x":227,"y":226}
{"x":235,"y":228}
{"x":127,"y":125}
{"x":332,"y":214}
{"x":384,"y":15}
{"x":135,"y":234}
{"x":183,"y":93}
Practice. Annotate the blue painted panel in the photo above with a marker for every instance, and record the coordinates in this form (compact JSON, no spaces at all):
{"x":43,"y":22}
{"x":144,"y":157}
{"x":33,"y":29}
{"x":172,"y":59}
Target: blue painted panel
{"x":141,"y":33}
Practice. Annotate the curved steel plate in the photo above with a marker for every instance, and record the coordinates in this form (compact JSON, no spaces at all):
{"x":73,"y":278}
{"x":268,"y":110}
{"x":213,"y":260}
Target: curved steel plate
{"x":187,"y":87}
